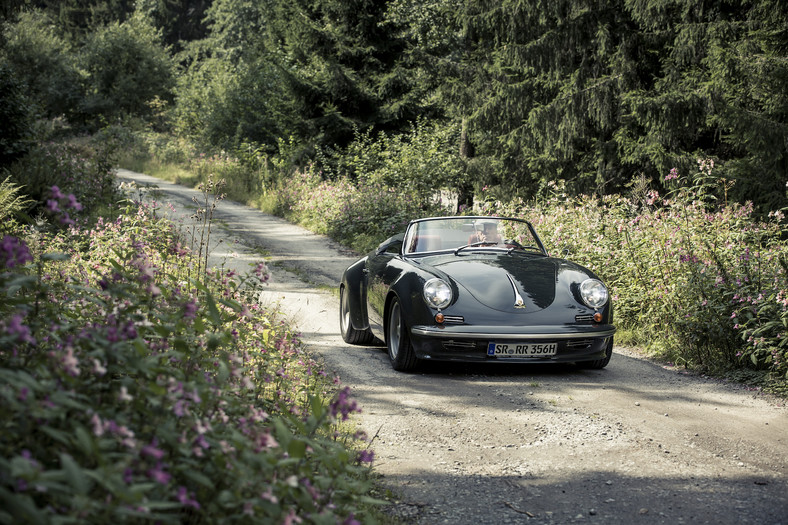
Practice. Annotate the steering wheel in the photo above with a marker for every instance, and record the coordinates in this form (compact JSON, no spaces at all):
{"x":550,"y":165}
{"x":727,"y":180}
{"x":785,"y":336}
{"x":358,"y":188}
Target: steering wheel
{"x":511,"y":243}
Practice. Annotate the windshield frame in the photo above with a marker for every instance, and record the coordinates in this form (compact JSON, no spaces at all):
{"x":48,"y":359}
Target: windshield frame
{"x":421,"y":229}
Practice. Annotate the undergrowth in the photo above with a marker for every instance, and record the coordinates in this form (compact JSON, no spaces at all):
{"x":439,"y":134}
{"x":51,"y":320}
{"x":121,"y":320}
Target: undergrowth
{"x":137,"y":389}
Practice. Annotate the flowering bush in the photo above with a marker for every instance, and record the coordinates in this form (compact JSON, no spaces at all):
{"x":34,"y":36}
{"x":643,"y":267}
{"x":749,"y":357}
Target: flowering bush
{"x":78,"y":169}
{"x":359,"y":214}
{"x":697,"y":278}
{"x":132,"y":392}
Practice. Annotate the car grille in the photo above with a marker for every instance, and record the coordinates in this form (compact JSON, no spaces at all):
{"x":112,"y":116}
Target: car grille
{"x":451,"y":344}
{"x":453,"y":319}
{"x":584,"y":318}
{"x":578,"y":344}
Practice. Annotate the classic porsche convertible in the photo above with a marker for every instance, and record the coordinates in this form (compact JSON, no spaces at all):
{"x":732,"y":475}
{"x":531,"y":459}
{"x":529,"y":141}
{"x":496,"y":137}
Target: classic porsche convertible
{"x":477,"y":289}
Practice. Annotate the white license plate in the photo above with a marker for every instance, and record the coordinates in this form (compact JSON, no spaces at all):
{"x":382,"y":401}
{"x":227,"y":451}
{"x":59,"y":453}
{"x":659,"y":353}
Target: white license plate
{"x":521,"y":349}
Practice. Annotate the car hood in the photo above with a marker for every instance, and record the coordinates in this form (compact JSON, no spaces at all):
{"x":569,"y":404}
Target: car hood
{"x":498,"y":281}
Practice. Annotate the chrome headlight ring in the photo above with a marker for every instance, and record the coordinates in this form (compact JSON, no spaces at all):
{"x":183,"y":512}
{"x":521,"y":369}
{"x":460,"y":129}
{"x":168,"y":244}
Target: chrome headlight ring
{"x":593,"y":293}
{"x":437,"y":293}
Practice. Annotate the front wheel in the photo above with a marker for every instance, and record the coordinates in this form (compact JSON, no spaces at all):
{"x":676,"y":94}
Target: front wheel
{"x":600,"y":363}
{"x":350,"y":334}
{"x":401,"y":354}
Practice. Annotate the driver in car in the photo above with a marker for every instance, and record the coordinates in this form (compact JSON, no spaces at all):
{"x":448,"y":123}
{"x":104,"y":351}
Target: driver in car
{"x":489,"y":233}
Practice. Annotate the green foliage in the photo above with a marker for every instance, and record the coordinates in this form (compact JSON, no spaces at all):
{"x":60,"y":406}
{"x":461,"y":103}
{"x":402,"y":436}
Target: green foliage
{"x":359,"y":214}
{"x":77,"y":18}
{"x":181,"y":21}
{"x":127,"y":69}
{"x":10,"y":8}
{"x":12,"y":204}
{"x":222,"y":105}
{"x":720,"y":89}
{"x":45,"y":63}
{"x":420,"y":162}
{"x":79,"y":169}
{"x":231,"y":91}
{"x":591,"y":92}
{"x":582,"y":91}
{"x":341,"y":68}
{"x":17,"y":117}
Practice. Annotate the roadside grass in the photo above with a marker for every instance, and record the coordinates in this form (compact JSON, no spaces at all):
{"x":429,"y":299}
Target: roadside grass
{"x":162,"y":170}
{"x":138,"y":385}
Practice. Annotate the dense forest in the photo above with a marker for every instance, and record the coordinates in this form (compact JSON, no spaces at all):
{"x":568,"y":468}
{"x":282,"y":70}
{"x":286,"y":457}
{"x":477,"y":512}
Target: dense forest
{"x":521,"y":92}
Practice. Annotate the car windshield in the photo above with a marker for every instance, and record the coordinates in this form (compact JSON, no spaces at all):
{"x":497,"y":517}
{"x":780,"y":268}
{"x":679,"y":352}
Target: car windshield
{"x":470,"y":233}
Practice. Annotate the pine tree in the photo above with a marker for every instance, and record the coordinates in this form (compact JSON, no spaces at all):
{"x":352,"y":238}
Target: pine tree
{"x":342,"y":67}
{"x":543,"y":81}
{"x":720,"y":92}
{"x":597,"y":92}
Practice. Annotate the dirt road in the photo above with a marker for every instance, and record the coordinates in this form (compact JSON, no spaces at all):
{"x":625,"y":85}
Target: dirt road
{"x":633,"y":443}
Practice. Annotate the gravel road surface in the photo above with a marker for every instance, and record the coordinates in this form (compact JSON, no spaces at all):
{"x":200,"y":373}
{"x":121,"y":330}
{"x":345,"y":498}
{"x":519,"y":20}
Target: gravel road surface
{"x":635,"y":443}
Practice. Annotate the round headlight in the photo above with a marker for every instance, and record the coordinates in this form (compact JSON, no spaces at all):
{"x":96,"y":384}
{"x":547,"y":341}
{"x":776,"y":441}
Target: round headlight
{"x":437,"y":293}
{"x":593,"y":293}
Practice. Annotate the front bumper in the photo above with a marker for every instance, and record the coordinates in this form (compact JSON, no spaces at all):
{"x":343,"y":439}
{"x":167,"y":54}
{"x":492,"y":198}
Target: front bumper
{"x":576,"y":343}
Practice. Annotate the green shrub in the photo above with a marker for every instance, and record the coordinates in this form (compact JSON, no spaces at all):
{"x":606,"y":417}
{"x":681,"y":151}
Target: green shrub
{"x":16,"y":114}
{"x":79,"y":169}
{"x":240,"y":182}
{"x":359,"y":214}
{"x":127,"y":68}
{"x":45,"y":63}
{"x":134,"y":393}
{"x":421,"y":162}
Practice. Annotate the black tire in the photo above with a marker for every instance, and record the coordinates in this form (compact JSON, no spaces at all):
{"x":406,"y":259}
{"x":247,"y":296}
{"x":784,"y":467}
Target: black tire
{"x":600,"y":363}
{"x":401,"y":353}
{"x":350,"y":334}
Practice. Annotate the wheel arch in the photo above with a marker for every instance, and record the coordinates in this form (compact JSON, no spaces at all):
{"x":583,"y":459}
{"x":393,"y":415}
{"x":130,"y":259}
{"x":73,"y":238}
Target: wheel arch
{"x":409,"y":294}
{"x":387,"y":310}
{"x":352,"y":283}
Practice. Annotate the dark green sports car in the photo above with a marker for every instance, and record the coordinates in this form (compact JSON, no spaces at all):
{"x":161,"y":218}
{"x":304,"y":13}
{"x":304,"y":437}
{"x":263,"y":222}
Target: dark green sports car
{"x":479,"y":289}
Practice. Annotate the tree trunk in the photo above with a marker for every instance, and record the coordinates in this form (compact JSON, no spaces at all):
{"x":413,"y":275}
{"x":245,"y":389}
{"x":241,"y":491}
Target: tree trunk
{"x":465,"y":188}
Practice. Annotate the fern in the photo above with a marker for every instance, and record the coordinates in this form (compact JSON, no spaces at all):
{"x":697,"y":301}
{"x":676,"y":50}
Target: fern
{"x":12,"y":204}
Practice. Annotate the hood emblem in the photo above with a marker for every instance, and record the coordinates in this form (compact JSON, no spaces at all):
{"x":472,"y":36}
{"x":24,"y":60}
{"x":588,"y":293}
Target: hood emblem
{"x":518,"y":299}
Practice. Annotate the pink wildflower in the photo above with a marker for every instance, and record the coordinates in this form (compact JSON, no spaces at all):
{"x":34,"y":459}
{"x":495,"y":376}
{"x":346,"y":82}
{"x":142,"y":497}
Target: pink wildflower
{"x":15,"y":328}
{"x":158,"y":474}
{"x":14,"y":251}
{"x":70,"y":363}
{"x":152,"y":451}
{"x":343,"y":404}
{"x":366,"y":456}
{"x":186,"y":498}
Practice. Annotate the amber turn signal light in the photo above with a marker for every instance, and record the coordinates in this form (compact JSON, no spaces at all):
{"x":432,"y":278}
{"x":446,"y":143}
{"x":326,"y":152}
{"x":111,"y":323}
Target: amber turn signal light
{"x":439,"y":318}
{"x":597,"y":317}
